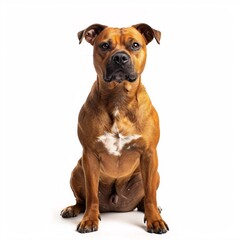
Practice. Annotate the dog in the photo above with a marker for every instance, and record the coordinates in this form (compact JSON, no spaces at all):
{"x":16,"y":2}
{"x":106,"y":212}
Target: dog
{"x":118,"y":128}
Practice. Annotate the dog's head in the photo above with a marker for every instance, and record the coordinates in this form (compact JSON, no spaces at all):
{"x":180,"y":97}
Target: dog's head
{"x":119,"y":53}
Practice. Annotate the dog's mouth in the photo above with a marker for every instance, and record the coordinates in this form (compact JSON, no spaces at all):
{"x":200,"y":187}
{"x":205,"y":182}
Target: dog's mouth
{"x":120,"y":76}
{"x":120,"y":68}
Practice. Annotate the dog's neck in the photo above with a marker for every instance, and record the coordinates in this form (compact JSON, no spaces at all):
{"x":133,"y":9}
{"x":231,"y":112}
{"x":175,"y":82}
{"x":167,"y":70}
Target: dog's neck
{"x":118,"y":96}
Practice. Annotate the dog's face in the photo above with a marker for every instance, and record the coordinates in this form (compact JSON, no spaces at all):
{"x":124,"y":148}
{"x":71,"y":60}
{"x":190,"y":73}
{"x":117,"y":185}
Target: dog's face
{"x":119,"y":53}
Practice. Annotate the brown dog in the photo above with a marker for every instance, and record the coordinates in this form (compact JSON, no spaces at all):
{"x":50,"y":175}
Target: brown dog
{"x":119,"y":131}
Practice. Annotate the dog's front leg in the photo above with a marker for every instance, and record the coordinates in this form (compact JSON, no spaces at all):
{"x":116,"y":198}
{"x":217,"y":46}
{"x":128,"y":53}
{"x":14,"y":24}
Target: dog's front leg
{"x":151,"y":179}
{"x":91,"y":170}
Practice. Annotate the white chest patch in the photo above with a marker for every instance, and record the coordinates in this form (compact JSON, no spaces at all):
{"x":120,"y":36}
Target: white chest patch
{"x":115,"y":141}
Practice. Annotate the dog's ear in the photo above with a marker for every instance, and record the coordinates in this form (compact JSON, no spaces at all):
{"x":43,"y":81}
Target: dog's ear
{"x":90,"y":33}
{"x":148,"y":32}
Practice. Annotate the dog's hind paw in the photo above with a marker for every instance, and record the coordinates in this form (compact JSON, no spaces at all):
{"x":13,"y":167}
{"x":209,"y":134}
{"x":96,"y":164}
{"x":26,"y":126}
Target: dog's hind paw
{"x":71,"y":211}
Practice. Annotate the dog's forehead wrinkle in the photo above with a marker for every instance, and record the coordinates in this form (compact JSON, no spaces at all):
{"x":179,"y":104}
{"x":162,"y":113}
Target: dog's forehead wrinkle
{"x":118,"y":35}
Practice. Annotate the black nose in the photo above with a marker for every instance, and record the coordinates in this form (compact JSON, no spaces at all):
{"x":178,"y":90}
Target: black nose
{"x":120,"y":58}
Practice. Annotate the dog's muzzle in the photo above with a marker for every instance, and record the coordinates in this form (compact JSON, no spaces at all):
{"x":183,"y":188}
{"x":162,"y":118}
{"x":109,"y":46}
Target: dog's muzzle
{"x":120,"y":68}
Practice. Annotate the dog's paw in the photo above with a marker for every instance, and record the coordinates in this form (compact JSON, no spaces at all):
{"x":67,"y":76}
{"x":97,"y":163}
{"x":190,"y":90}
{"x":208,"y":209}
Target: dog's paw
{"x":86,"y":226}
{"x":157,"y":226}
{"x":69,"y":212}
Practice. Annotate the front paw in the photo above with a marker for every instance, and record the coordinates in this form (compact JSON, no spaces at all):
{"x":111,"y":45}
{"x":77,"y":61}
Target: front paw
{"x":158,"y":226}
{"x":88,"y":225}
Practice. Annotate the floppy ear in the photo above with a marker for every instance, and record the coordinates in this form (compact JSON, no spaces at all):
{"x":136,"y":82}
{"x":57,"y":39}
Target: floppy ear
{"x":90,"y":33}
{"x":148,"y":32}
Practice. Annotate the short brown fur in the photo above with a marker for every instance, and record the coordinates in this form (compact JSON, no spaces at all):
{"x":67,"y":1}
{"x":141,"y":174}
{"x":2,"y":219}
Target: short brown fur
{"x":102,"y":181}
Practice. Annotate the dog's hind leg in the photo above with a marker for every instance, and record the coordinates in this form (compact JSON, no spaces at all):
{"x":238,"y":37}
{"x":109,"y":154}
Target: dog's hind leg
{"x":78,"y":187}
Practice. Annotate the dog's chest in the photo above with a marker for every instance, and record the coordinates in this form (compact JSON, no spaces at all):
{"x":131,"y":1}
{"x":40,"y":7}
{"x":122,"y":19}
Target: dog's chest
{"x":116,"y":139}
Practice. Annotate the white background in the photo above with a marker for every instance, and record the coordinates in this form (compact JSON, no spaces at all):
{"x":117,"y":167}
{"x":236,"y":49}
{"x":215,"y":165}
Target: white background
{"x":192,"y":78}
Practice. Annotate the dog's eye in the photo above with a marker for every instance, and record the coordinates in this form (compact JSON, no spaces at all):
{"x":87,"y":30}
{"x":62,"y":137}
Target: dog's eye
{"x":135,"y":46}
{"x":105,"y":46}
